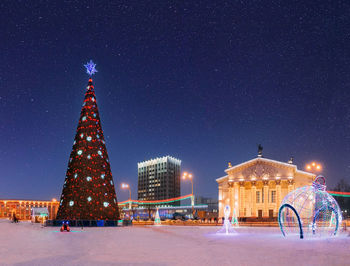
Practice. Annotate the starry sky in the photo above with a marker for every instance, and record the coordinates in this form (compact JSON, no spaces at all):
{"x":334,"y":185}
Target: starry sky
{"x":203,"y":81}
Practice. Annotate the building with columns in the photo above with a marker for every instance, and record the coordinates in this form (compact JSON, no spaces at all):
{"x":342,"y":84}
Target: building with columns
{"x":22,"y":208}
{"x":256,"y":188}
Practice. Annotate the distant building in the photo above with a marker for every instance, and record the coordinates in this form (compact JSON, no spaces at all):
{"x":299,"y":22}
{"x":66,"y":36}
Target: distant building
{"x":23,"y":208}
{"x":159,"y":178}
{"x":213,"y":204}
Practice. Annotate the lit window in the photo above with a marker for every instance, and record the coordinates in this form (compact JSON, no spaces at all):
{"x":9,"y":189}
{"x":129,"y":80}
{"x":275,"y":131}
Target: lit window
{"x":258,"y":197}
{"x":273,"y":196}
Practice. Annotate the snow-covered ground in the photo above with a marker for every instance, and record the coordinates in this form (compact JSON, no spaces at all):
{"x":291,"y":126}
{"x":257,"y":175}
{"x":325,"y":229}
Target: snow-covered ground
{"x":28,"y":244}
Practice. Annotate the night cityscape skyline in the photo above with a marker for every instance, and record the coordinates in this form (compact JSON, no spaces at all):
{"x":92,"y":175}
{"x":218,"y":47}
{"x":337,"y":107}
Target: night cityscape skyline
{"x":203,"y":82}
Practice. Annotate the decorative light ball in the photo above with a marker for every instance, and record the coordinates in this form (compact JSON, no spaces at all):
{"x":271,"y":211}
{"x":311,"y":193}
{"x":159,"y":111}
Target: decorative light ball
{"x":106,"y":204}
{"x":89,"y":198}
{"x":81,"y":135}
{"x":71,"y":203}
{"x":75,"y":175}
{"x":79,"y":152}
{"x":89,"y":156}
{"x":84,"y":118}
{"x":99,"y":153}
{"x":310,"y":211}
{"x":103,"y":176}
{"x":88,"y":138}
{"x":88,"y":178}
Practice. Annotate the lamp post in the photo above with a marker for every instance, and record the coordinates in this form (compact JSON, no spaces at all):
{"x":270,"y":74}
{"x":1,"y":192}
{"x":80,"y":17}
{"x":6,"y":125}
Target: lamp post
{"x":126,"y":186}
{"x":314,"y":167}
{"x":189,"y":176}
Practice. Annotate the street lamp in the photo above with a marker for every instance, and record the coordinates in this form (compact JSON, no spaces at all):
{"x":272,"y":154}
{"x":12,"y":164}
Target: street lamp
{"x":189,"y":176}
{"x":314,"y":167}
{"x":126,"y":186}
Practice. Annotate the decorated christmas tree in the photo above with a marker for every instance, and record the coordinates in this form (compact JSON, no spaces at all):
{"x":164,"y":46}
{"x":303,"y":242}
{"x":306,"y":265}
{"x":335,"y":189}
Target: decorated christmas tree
{"x":88,"y":191}
{"x":157,"y":219}
{"x":234,"y":220}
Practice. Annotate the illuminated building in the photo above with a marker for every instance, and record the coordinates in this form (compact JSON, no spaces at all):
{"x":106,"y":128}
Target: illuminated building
{"x":255,"y":189}
{"x":159,"y":178}
{"x":22,"y":208}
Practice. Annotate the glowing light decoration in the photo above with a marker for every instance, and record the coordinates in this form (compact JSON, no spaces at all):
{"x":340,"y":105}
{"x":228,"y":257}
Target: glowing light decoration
{"x":71,"y":203}
{"x":310,"y":211}
{"x":106,"y":204}
{"x":89,"y":138}
{"x":157,"y":219}
{"x":75,"y":175}
{"x":83,"y":119}
{"x":99,"y":153}
{"x":81,"y":135}
{"x":90,"y":68}
{"x":227,"y":228}
{"x":234,"y":220}
{"x":89,"y":157}
{"x":89,"y":198}
{"x":103,"y":176}
{"x":80,"y":152}
{"x":88,"y":178}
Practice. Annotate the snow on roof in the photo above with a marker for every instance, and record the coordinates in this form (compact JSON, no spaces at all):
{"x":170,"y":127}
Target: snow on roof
{"x":264,"y":160}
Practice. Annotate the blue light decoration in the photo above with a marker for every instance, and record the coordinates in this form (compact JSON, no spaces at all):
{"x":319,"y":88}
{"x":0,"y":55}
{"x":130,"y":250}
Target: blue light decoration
{"x":227,"y":228}
{"x":310,"y":211}
{"x":90,"y":68}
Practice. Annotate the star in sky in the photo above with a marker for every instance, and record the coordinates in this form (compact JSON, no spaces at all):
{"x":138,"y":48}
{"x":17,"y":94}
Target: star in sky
{"x":90,"y":68}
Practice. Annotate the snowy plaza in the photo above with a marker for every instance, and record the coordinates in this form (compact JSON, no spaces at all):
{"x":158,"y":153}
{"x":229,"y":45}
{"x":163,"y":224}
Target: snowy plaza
{"x":30,"y":244}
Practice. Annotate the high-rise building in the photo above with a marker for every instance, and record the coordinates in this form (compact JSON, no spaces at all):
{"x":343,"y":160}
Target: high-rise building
{"x":159,"y":178}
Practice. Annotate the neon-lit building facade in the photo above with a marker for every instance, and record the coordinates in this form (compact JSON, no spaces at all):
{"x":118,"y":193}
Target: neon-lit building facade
{"x":255,"y":189}
{"x":159,"y":178}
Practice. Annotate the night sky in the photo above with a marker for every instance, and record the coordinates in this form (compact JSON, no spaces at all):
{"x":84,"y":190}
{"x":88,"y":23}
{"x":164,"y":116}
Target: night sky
{"x":203,"y":81}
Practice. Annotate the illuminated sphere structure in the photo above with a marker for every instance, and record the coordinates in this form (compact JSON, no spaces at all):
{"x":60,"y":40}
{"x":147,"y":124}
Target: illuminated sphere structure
{"x":310,"y":211}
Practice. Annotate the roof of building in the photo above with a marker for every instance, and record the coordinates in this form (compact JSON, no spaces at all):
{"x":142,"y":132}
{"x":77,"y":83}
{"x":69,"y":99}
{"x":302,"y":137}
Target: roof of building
{"x":263,"y":160}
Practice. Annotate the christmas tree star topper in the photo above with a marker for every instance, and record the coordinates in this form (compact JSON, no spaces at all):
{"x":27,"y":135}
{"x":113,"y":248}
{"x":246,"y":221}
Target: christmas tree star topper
{"x":90,"y":68}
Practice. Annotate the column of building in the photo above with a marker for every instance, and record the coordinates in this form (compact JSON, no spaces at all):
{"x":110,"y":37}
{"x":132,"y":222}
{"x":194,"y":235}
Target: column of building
{"x":253,"y":191}
{"x":266,"y":197}
{"x":237,"y":200}
{"x":278,"y":194}
{"x":242,"y":198}
{"x":231,"y":195}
